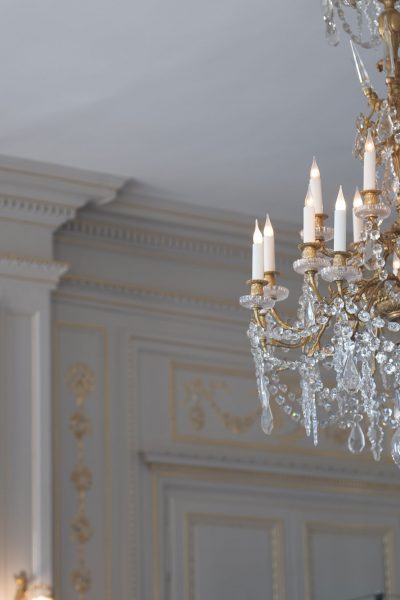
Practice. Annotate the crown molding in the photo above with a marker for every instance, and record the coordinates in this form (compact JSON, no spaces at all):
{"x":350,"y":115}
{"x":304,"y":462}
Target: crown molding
{"x":48,"y":272}
{"x":103,"y":231}
{"x":150,"y":296}
{"x":149,"y":205}
{"x":45,"y":194}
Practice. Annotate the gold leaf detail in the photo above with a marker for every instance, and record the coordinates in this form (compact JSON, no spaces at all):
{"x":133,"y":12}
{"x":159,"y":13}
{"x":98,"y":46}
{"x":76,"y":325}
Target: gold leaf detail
{"x":81,"y":381}
{"x":197,"y":391}
{"x":81,"y":530}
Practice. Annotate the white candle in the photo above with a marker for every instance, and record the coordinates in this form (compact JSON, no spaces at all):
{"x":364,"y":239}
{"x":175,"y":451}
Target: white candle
{"x":396,"y":264}
{"x":339,"y":242}
{"x":369,"y":164}
{"x":358,"y":223}
{"x":316,"y":187}
{"x":258,"y":254}
{"x":269,"y":246}
{"x":309,"y":219}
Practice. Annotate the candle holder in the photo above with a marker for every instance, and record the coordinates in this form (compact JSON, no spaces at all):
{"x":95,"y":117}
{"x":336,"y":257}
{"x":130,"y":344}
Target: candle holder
{"x":339,"y":270}
{"x":372,"y":207}
{"x":310,"y":261}
{"x":274,"y":292}
{"x":322,"y":232}
{"x":256,"y":299}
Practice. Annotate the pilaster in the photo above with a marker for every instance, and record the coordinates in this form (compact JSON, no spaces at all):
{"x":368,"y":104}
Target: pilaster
{"x":35,"y":200}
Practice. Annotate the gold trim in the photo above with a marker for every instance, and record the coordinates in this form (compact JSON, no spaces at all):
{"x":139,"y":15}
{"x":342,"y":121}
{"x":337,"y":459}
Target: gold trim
{"x":274,"y":527}
{"x":387,"y":535}
{"x":81,"y":381}
{"x":58,"y":325}
{"x":198,"y":393}
{"x":174,"y":366}
{"x":272,"y":448}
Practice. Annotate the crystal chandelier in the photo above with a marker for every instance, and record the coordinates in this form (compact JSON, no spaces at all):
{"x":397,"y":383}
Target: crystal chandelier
{"x":343,"y":346}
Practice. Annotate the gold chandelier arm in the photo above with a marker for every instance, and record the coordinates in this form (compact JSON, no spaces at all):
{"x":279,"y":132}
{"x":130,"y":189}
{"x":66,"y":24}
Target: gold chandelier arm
{"x":313,"y":285}
{"x":317,"y":343}
{"x":281,"y":322}
{"x":260,"y":320}
{"x":291,"y":346}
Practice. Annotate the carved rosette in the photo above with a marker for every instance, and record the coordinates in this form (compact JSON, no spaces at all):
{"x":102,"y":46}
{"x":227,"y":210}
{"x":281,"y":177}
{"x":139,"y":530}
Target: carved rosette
{"x":80,"y":380}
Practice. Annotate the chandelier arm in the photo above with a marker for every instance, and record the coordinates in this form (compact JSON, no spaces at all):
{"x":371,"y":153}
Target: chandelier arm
{"x":374,"y":102}
{"x":373,"y":300}
{"x":293,"y":346}
{"x":339,"y":285}
{"x":317,"y":343}
{"x":282,"y":323}
{"x":363,"y":287}
{"x":326,"y":251}
{"x":313,"y":285}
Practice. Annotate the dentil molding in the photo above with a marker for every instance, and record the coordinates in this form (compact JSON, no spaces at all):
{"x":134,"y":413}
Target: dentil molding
{"x":49,"y":195}
{"x":28,"y":268}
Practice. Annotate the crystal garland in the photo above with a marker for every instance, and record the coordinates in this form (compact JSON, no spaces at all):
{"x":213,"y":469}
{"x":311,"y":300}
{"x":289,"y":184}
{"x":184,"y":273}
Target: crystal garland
{"x":363,"y":363}
{"x":343,"y":346}
{"x":359,"y":19}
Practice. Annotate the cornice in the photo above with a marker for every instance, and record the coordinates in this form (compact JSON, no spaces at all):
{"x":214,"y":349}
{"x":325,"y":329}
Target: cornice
{"x":150,"y":295}
{"x":102,"y":187}
{"x":32,"y":269}
{"x":49,"y":195}
{"x":29,"y":210}
{"x":284,"y":465}
{"x":141,"y":202}
{"x":168,"y":243}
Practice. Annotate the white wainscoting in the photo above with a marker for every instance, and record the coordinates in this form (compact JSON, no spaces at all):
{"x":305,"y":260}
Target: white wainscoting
{"x":223,"y":534}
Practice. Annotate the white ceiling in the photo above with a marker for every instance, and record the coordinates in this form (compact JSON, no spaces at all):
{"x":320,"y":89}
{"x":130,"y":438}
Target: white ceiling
{"x":213,"y":102}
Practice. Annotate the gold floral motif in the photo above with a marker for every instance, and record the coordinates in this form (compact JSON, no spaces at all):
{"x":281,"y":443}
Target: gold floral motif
{"x":80,"y":425}
{"x":197,"y":417}
{"x":197,"y":392}
{"x":81,"y":580}
{"x":81,"y":531}
{"x":81,"y":477}
{"x":80,"y":380}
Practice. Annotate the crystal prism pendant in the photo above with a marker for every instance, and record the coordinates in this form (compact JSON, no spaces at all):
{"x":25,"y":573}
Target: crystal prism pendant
{"x":389,"y":55}
{"x":385,"y":125}
{"x":356,"y":441}
{"x":331,"y":31}
{"x":351,"y":378}
{"x":267,"y":420}
{"x":396,"y":447}
{"x":369,"y":258}
{"x":361,"y":70}
{"x":396,"y":404}
{"x":359,"y":145}
{"x":309,"y":315}
{"x":375,"y":436}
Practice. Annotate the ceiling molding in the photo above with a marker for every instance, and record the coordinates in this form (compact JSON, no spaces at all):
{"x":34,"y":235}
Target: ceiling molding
{"x":32,"y":269}
{"x":147,"y":295}
{"x":50,"y":195}
{"x":169,"y":242}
